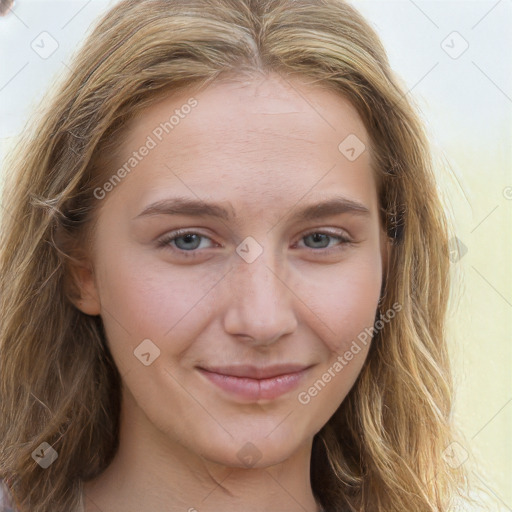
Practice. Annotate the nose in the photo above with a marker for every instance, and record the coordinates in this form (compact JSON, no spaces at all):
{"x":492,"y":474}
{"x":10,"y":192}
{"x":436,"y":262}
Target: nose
{"x":260,"y":304}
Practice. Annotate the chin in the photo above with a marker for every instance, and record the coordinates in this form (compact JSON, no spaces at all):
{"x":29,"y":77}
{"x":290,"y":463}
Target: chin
{"x":252,"y":449}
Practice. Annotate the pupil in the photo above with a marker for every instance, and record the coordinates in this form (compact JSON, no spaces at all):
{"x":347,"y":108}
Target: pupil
{"x":188,"y":239}
{"x":317,"y":237}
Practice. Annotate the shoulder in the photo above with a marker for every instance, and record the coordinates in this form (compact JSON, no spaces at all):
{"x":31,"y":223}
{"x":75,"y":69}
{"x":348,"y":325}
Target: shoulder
{"x":6,"y":502}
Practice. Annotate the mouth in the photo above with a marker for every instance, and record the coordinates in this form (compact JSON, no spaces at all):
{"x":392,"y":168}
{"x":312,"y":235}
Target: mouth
{"x":251,"y":383}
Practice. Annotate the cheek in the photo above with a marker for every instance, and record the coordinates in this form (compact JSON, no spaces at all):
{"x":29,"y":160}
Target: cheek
{"x":347,"y":304}
{"x":352,"y":311}
{"x":143,"y":299}
{"x":343,"y":298}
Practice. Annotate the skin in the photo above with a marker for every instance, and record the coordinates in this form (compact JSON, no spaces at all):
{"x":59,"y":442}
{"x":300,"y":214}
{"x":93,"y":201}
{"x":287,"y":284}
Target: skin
{"x":264,"y":148}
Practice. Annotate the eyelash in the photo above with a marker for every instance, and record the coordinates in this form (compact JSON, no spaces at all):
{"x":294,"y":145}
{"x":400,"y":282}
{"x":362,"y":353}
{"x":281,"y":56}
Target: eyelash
{"x":165,"y":242}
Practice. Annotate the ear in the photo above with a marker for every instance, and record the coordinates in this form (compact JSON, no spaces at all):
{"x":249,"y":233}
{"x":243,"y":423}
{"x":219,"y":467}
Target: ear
{"x":84,"y":282}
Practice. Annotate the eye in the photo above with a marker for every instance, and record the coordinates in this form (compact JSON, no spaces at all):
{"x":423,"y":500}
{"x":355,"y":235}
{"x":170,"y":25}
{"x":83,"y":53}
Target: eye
{"x":320,"y":240}
{"x":183,"y":241}
{"x":187,"y":243}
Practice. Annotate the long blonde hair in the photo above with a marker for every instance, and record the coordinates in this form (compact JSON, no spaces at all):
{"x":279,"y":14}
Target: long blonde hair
{"x":383,"y":448}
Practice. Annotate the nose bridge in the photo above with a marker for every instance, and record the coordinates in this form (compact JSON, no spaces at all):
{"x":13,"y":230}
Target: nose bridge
{"x":260,"y":280}
{"x":260,"y":303}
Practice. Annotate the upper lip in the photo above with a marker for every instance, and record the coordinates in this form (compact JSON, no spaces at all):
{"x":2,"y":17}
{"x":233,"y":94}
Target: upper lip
{"x":255,"y":372}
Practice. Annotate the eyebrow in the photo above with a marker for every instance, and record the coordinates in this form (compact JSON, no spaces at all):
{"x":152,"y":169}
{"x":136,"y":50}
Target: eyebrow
{"x":196,"y":208}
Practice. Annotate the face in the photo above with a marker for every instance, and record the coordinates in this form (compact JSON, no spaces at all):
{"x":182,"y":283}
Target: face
{"x":231,"y":320}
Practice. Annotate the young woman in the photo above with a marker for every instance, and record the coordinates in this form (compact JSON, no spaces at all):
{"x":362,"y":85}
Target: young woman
{"x":224,"y":274}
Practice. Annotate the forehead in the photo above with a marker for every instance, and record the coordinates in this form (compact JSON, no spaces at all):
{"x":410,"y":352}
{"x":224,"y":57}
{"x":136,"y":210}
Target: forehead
{"x":262,"y":137}
{"x":285,"y":108}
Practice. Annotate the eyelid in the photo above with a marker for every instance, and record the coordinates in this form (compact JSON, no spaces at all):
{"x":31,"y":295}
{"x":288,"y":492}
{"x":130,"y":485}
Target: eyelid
{"x":344,"y":240}
{"x":334,"y":232}
{"x":164,"y":240}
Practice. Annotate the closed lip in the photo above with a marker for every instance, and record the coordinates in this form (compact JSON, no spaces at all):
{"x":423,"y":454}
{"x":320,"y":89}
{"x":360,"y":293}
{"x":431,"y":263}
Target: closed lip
{"x":255,"y":372}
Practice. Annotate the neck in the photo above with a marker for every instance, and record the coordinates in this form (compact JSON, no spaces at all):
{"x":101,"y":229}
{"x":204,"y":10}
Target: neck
{"x":152,"y":472}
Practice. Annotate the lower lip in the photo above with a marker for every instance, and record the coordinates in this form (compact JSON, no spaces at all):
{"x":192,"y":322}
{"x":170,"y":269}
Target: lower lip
{"x":255,"y":389}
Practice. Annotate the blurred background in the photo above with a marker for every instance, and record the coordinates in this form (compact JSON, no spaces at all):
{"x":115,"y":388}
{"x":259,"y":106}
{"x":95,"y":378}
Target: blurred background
{"x":452,"y":59}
